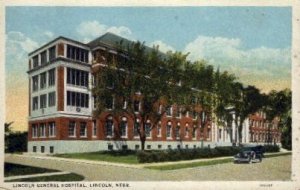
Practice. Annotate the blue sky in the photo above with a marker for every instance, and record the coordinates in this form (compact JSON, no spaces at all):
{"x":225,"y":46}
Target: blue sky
{"x":254,"y":43}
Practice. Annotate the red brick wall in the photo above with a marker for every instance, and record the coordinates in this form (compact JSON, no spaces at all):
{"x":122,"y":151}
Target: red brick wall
{"x":60,"y":49}
{"x":62,"y":125}
{"x":60,"y":88}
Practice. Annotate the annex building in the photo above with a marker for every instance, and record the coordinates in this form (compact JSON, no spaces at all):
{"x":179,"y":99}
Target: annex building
{"x":61,"y":106}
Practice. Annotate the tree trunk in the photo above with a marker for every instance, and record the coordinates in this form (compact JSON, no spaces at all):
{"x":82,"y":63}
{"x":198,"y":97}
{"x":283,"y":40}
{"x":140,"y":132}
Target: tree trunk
{"x":143,"y":140}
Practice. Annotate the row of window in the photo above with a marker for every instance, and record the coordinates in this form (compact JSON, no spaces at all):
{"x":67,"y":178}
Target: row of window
{"x":39,"y":131}
{"x":77,"y":77}
{"x":82,"y":129}
{"x":42,"y":99}
{"x":42,"y":149}
{"x":40,"y":81}
{"x":264,"y":137}
{"x":109,"y":129}
{"x":42,"y":58}
{"x":109,"y":104}
{"x":261,"y":124}
{"x":77,"y":99}
{"x":159,"y":146}
{"x":77,"y":53}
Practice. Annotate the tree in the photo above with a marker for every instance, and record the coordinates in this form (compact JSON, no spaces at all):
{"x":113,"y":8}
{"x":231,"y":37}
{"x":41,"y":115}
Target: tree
{"x":279,"y":106}
{"x":14,"y":141}
{"x":140,"y":76}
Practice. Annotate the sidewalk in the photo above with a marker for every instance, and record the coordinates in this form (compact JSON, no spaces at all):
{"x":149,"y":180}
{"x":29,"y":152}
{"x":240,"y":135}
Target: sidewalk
{"x":34,"y":175}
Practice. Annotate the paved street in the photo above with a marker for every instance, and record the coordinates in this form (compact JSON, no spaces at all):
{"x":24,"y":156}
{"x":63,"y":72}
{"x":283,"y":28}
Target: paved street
{"x":277,"y":168}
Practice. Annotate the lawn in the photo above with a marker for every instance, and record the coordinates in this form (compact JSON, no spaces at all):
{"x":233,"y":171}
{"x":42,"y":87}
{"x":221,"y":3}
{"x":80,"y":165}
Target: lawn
{"x":16,"y":169}
{"x":114,"y":156}
{"x":63,"y":177}
{"x":203,"y":163}
{"x":190,"y":165}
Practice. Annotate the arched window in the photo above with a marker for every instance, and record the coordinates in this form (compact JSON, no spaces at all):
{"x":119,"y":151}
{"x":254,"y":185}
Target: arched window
{"x":123,"y":127}
{"x":169,"y":129}
{"x":109,"y":126}
{"x":187,"y":130}
{"x":136,"y":128}
{"x":177,"y":131}
{"x":148,"y":128}
{"x":159,"y":129}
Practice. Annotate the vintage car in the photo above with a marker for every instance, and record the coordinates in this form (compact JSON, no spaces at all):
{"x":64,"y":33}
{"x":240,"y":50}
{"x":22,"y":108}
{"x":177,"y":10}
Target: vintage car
{"x":249,"y":155}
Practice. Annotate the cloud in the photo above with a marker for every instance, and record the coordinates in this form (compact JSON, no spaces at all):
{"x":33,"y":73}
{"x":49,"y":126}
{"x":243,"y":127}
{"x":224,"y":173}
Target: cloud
{"x":89,"y":30}
{"x":49,"y":34}
{"x":162,"y":46}
{"x":248,"y":65}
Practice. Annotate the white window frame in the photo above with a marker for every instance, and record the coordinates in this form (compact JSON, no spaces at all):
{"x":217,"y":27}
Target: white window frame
{"x":148,"y":122}
{"x":52,"y":129}
{"x":134,"y":127}
{"x":124,"y":121}
{"x":169,"y":124}
{"x":74,"y":129}
{"x":85,"y":129}
{"x":94,"y":135}
{"x":171,"y":111}
{"x":42,"y":130}
{"x":112,"y":127}
{"x":187,"y":128}
{"x":158,"y":128}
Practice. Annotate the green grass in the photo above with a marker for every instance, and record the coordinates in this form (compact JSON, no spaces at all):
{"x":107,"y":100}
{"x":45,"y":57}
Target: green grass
{"x":16,"y":169}
{"x":118,"y":157}
{"x":63,"y":177}
{"x":203,"y":163}
{"x":279,"y":154}
{"x":190,"y":165}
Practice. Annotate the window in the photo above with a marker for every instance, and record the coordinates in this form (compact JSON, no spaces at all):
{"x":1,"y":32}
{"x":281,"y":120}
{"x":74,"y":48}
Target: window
{"x":186,"y":130}
{"x":178,"y":146}
{"x":34,"y":149}
{"x":169,"y":111}
{"x":42,"y":130}
{"x":94,"y":128}
{"x":178,"y":113}
{"x":136,"y":128}
{"x":220,"y":133}
{"x":43,"y":101}
{"x":187,"y":146}
{"x":194,"y":115}
{"x":177,"y":131}
{"x":34,"y":130}
{"x":159,"y":129}
{"x":110,"y":81}
{"x":110,"y":147}
{"x":148,"y":129}
{"x":169,"y":129}
{"x":52,"y":129}
{"x":137,"y":147}
{"x":136,"y":106}
{"x":43,"y":81}
{"x":35,"y":61}
{"x":51,"y":99}
{"x":42,"y":149}
{"x":72,"y":129}
{"x":51,"y":79}
{"x":43,"y":57}
{"x":35,"y":83}
{"x":51,"y":149}
{"x":52,"y":53}
{"x":109,"y":102}
{"x":77,"y":99}
{"x":35,"y":103}
{"x":148,"y":146}
{"x":194,"y":132}
{"x":159,"y":146}
{"x":77,"y":77}
{"x":124,"y":147}
{"x":77,"y":53}
{"x":123,"y":127}
{"x":83,"y":129}
{"x":208,"y":133}
{"x":109,"y":127}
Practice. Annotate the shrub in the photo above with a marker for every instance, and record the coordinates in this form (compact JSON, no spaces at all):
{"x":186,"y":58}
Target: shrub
{"x":271,"y":148}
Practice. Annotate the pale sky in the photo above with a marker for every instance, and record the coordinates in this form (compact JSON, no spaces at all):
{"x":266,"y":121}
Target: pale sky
{"x":254,"y":43}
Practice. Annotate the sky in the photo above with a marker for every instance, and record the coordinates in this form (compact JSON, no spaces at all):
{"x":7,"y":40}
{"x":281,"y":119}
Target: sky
{"x":254,"y":43}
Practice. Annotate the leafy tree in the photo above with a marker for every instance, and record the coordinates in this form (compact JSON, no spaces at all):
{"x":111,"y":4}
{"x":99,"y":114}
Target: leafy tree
{"x":14,"y":141}
{"x":138,"y":74}
{"x":279,"y":106}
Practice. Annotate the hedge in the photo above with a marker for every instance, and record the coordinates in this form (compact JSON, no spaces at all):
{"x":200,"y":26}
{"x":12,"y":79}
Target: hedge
{"x":189,"y":154}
